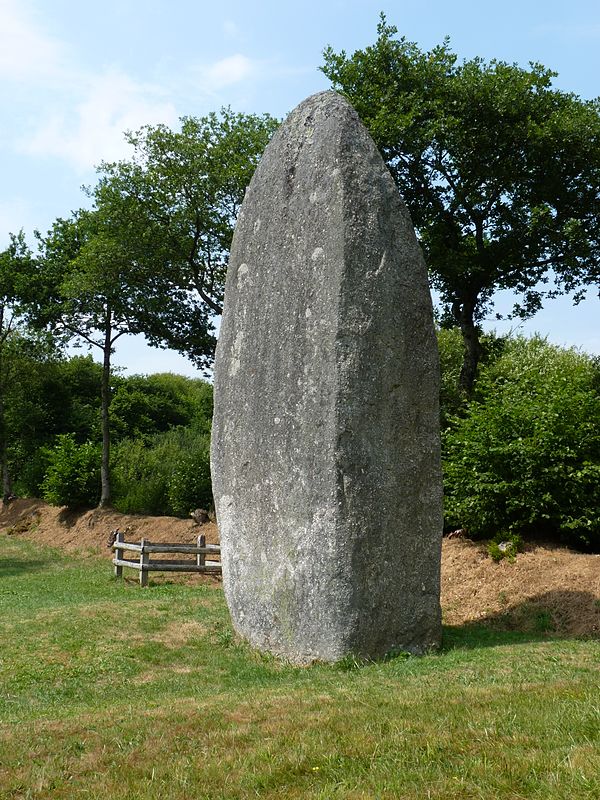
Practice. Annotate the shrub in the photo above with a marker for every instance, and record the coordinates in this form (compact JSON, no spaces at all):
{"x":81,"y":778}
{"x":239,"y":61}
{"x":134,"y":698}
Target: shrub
{"x":505,"y":547}
{"x":189,"y":484}
{"x":167,"y":474}
{"x":144,"y":405}
{"x":73,"y":473}
{"x":138,"y":477}
{"x":525,"y":457}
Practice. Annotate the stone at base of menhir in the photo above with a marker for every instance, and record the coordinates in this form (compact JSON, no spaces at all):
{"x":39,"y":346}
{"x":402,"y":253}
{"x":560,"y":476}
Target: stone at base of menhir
{"x":325,"y":452}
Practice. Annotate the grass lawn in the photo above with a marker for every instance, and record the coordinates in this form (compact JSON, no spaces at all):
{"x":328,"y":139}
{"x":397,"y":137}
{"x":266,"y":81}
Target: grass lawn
{"x":112,"y":691}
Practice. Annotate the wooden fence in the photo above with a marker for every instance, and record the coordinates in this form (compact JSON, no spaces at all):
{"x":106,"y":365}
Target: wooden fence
{"x":146,"y":548}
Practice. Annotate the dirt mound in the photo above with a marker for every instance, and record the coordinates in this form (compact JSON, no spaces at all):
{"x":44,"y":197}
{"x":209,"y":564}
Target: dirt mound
{"x":547,"y":589}
{"x":86,"y":531}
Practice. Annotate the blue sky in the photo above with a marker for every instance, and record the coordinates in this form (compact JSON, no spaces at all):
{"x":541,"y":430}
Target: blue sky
{"x":74,"y":75}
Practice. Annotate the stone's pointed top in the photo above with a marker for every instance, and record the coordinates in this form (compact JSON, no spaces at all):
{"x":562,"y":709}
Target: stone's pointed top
{"x":325,"y":442}
{"x":303,"y":163}
{"x":326,"y":98}
{"x":326,"y":103}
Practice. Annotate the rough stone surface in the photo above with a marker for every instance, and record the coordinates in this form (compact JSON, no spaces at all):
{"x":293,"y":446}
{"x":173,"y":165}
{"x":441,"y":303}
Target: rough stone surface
{"x":326,"y":462}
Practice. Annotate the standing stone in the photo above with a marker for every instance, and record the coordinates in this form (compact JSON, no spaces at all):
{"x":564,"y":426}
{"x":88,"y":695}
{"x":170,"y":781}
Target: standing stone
{"x":326,"y":454}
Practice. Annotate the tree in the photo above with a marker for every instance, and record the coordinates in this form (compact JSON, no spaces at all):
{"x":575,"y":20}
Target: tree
{"x":51,"y":396}
{"x":150,"y":256}
{"x":21,"y":350}
{"x":180,"y":195}
{"x":499,"y":170}
{"x":91,"y":288}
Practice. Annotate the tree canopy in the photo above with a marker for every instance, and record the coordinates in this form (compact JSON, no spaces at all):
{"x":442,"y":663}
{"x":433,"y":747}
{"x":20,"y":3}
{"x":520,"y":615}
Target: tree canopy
{"x":179,"y":196}
{"x":500,"y":172}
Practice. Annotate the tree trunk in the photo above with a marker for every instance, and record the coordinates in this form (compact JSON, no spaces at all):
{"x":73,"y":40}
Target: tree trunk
{"x":463,"y":312}
{"x":6,"y":479}
{"x":105,"y":465}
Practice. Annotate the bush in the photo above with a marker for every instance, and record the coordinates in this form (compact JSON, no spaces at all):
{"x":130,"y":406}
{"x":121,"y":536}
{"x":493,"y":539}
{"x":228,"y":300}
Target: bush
{"x":73,"y":473}
{"x":29,"y":470}
{"x":138,"y":477}
{"x":525,"y":457}
{"x":189,"y":484}
{"x":167,"y":474}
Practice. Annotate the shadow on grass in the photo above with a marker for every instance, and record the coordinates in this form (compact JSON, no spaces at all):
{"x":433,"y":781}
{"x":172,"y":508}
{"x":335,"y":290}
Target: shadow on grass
{"x":563,"y":614}
{"x":12,"y":567}
{"x":475,"y":635}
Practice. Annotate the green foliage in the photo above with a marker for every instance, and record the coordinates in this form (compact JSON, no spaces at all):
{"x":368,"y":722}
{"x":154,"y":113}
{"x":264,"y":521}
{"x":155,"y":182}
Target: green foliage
{"x":176,"y":201}
{"x":92,"y":291}
{"x":23,"y":355}
{"x":143,"y":405}
{"x":451,"y":352}
{"x":525,"y":457}
{"x":75,"y":388}
{"x":499,"y":170}
{"x":168,"y":474}
{"x":505,"y":547}
{"x":73,"y":473}
{"x":27,"y":359}
{"x":48,"y":397}
{"x":453,"y":400}
{"x":189,"y":485}
{"x":51,"y":396}
{"x":162,"y":463}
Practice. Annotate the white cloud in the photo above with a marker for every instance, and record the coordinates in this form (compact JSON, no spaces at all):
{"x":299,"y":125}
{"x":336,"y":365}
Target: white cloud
{"x":26,"y":53}
{"x":227,"y":71}
{"x":80,"y":117}
{"x":231,"y":29}
{"x":93,"y":130}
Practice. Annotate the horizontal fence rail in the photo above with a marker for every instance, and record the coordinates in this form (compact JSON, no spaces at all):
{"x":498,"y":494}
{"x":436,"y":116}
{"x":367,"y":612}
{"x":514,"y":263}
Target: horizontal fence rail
{"x":146,"y":548}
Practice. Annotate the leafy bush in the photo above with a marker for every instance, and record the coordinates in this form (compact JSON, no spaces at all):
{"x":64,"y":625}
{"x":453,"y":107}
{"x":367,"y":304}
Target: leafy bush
{"x":167,"y":474}
{"x":505,"y":547}
{"x":525,"y":457}
{"x":138,"y":477}
{"x":73,"y":473}
{"x":189,"y":484}
{"x":29,"y":470}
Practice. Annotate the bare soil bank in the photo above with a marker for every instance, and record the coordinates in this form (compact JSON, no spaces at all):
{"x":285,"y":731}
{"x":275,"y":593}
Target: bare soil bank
{"x":547,"y":589}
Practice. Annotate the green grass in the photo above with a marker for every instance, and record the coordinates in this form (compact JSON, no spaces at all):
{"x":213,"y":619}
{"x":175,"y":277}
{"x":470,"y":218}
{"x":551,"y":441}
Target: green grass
{"x":111,"y":691}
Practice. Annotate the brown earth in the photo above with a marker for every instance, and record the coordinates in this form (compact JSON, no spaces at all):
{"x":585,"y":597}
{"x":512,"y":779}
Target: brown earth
{"x":546,"y":589}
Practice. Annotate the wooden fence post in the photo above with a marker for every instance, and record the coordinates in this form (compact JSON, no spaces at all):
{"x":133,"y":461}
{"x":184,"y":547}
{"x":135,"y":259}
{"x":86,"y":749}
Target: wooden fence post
{"x":120,"y":537}
{"x":201,"y":557}
{"x":144,"y":561}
